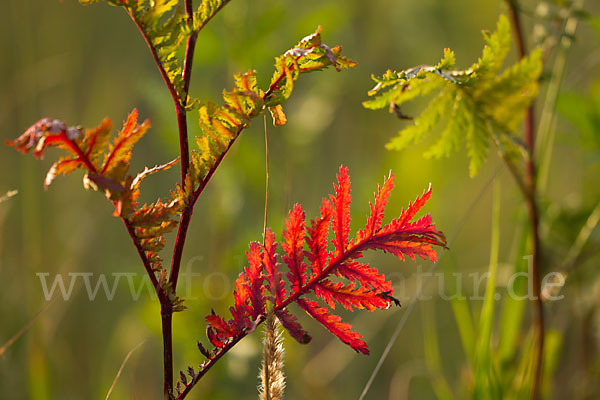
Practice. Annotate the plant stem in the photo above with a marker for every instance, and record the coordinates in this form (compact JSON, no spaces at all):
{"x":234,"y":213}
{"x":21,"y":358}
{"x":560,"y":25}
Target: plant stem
{"x":167,"y":323}
{"x":180,"y":102}
{"x":530,"y":194}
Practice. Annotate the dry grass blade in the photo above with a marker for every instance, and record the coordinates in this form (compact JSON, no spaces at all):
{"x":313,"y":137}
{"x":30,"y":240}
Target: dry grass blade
{"x":114,"y":383}
{"x":21,"y":332}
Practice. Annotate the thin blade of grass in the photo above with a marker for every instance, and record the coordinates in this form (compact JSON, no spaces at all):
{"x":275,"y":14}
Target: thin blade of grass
{"x":486,"y":384}
{"x":23,"y":330}
{"x":582,"y":237}
{"x":523,"y":378}
{"x":514,"y":304}
{"x":114,"y":383}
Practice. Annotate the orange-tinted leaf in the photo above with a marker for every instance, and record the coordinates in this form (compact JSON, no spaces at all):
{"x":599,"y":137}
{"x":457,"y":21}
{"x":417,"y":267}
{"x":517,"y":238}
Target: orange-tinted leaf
{"x":64,"y":166}
{"x":45,"y":133}
{"x":119,"y":152}
{"x":278,"y":115}
{"x":154,"y":214}
{"x":96,"y":141}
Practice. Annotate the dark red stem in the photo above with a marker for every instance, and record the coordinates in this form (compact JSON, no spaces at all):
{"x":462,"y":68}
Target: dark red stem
{"x":530,"y":194}
{"x":166,"y":313}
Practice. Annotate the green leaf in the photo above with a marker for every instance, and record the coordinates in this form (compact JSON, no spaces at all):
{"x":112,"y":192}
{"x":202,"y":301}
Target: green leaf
{"x":424,"y":123}
{"x":482,"y":103}
{"x":206,"y":11}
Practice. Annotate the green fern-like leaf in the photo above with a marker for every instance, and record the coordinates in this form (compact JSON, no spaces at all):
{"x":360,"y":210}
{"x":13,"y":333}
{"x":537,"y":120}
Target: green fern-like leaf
{"x":207,"y":10}
{"x":474,"y":106}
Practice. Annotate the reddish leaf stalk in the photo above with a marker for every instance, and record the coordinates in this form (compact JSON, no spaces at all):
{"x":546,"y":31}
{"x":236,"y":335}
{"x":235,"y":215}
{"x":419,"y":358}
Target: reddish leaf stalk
{"x":530,"y":195}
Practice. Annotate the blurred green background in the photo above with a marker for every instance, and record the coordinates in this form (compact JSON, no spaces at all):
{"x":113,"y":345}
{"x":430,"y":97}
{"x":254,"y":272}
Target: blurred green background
{"x":81,"y":64}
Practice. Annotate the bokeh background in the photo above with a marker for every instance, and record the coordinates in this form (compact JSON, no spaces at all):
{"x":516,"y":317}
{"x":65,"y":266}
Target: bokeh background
{"x":81,"y":64}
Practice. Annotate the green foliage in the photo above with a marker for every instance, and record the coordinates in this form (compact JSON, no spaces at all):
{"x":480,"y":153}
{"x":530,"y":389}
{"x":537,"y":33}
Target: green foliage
{"x":475,"y":106}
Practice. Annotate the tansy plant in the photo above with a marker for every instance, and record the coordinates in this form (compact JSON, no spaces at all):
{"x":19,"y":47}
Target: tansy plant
{"x":308,"y":268}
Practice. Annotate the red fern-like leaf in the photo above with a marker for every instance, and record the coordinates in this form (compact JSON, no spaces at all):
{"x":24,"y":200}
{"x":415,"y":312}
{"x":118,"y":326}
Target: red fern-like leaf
{"x":334,"y":324}
{"x":271,"y":267}
{"x":341,"y":211}
{"x":349,"y":296}
{"x":317,"y":240}
{"x":367,"y":288}
{"x":254,"y":273}
{"x":293,"y":245}
{"x":378,"y":207}
{"x":404,"y":238}
{"x":364,"y":275}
